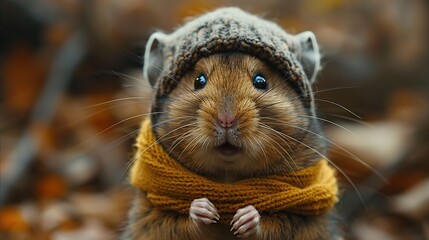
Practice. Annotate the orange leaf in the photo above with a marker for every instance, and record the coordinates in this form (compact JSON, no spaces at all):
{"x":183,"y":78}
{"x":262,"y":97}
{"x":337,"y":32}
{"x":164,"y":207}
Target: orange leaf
{"x":51,"y":187}
{"x":11,"y":220}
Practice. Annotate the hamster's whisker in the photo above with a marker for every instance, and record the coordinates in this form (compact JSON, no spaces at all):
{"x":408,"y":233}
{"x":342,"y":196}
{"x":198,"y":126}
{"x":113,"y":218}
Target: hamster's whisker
{"x":353,"y":156}
{"x":284,"y":158}
{"x":128,"y":77}
{"x":366,"y":124}
{"x":178,"y":135}
{"x":174,"y":130}
{"x":288,"y":143}
{"x":334,"y":89}
{"x":309,"y":116}
{"x":263,"y":151}
{"x":171,"y":120}
{"x":194,"y":140}
{"x":328,"y":121}
{"x":121,"y":139}
{"x":184,"y":101}
{"x":271,"y":104}
{"x":93,"y":113}
{"x":155,"y":142}
{"x":140,"y":58}
{"x":201,"y":140}
{"x":206,"y":143}
{"x":123,"y":172}
{"x":270,"y":129}
{"x":118,"y":123}
{"x":253,"y":146}
{"x":341,"y":153}
{"x":196,"y":166}
{"x":338,"y":105}
{"x":115,"y":101}
{"x":272,"y":140}
{"x":131,"y":162}
{"x":180,"y":139}
{"x":327,"y":159}
{"x":266,"y":92}
{"x":286,"y":79}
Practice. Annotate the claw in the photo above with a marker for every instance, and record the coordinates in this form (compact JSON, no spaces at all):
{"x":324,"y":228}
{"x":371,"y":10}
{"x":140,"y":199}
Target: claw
{"x":203,"y":211}
{"x":245,"y":222}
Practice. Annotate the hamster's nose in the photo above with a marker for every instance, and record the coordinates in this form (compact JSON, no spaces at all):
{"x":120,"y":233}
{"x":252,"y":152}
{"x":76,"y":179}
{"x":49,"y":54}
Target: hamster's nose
{"x":227,"y":120}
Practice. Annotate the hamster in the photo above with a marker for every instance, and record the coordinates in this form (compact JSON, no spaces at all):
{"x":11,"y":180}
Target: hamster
{"x":236,"y":110}
{"x":234,"y":113}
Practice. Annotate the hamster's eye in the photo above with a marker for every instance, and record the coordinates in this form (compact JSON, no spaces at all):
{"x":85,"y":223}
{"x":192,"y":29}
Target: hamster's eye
{"x":259,"y":81}
{"x":200,"y":82}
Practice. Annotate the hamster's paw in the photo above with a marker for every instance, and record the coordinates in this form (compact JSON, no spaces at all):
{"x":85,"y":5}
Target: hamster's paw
{"x":203,"y":211}
{"x":246,"y":222}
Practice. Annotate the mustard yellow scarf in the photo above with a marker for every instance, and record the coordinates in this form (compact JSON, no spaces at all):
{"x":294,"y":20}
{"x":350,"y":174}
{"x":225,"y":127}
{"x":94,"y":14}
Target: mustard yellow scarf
{"x":170,"y":186}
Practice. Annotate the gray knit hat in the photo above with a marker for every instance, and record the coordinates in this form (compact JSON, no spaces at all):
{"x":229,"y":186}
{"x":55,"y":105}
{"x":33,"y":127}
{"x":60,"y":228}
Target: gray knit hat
{"x":231,"y":30}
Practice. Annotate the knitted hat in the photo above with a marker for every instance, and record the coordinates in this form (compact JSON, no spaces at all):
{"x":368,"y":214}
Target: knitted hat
{"x":231,"y":30}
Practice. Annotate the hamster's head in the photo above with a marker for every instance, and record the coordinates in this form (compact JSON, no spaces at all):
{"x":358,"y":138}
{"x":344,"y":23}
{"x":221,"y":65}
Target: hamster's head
{"x":234,"y":114}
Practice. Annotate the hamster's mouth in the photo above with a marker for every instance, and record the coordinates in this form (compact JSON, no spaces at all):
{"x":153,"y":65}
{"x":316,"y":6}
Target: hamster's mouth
{"x":228,"y":149}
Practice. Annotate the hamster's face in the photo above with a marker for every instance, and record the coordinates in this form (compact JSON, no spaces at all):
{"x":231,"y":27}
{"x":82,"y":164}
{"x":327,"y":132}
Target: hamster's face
{"x":234,"y":114}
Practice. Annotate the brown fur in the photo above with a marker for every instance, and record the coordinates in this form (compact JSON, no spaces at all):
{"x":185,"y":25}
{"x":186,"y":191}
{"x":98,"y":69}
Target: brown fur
{"x":275,"y":133}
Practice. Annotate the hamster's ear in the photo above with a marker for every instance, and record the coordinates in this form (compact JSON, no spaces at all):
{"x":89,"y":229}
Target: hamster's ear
{"x":309,"y":54}
{"x":153,"y":59}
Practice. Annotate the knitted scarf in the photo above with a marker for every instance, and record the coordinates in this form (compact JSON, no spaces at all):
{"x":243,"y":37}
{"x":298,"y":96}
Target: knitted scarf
{"x":170,"y":186}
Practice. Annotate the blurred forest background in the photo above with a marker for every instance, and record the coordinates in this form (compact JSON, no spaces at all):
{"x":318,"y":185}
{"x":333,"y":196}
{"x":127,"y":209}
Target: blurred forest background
{"x":72,"y":97}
